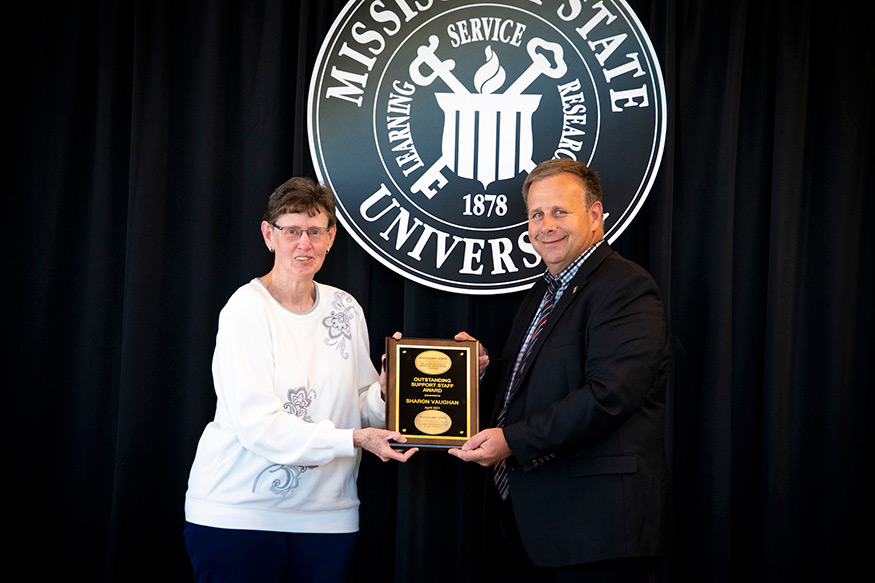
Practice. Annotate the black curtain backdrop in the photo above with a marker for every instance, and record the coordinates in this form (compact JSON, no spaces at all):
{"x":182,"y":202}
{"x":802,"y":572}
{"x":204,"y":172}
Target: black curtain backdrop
{"x":145,"y":139}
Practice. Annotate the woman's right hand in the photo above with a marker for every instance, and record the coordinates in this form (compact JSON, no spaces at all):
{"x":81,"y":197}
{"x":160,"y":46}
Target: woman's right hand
{"x":377,"y":441}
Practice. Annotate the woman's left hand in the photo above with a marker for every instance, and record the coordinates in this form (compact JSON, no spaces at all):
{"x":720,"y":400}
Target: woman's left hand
{"x":377,"y":441}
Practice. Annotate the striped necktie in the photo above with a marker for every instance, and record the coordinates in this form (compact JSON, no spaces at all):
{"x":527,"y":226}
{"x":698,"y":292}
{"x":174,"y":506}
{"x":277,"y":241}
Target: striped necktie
{"x":500,"y":468}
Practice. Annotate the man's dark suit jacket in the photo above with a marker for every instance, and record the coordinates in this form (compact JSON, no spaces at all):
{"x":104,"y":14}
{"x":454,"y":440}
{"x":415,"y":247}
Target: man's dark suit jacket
{"x":588,"y":474}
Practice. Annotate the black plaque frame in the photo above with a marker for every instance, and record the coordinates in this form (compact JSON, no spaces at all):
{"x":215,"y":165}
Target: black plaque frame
{"x":430,"y":406}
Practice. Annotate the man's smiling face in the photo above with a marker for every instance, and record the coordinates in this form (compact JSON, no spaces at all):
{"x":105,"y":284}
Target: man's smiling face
{"x":560,"y":225}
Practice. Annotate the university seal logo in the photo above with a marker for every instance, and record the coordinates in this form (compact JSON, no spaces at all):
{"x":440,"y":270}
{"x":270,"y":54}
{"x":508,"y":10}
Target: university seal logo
{"x":425,"y":116}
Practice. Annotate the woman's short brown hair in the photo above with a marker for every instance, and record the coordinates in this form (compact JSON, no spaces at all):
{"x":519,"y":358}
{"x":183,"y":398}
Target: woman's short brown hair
{"x":300,"y":195}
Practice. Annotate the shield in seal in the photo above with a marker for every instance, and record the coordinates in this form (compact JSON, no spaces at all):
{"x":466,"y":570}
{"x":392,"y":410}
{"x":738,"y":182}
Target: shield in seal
{"x":425,"y":117}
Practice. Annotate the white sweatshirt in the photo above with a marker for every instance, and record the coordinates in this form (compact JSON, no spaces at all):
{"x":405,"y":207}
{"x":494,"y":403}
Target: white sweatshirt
{"x":291,"y":388}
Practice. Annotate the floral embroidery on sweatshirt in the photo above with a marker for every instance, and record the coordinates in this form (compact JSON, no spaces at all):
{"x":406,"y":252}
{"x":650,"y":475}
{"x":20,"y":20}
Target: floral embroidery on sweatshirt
{"x":285,"y":482}
{"x":339,"y":323}
{"x":287,"y":479}
{"x":299,"y":401}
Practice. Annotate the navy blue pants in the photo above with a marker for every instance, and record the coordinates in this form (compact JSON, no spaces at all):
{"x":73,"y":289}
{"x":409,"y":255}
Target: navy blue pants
{"x":222,"y":554}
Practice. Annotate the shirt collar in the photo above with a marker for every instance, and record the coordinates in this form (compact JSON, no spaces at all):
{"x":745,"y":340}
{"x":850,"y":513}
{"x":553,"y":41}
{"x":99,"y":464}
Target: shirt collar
{"x":561,"y":279}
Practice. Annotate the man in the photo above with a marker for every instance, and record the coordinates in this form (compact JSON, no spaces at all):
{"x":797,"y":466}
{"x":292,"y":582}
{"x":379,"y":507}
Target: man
{"x":578,"y":442}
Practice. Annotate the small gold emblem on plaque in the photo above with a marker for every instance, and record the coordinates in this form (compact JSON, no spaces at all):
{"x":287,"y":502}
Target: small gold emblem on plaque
{"x":433,"y":362}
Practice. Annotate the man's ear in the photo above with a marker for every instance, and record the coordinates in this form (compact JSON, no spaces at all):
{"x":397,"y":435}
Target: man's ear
{"x":596,"y":212}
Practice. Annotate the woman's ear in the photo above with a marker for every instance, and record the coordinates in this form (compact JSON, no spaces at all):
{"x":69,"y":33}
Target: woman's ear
{"x":267,"y":234}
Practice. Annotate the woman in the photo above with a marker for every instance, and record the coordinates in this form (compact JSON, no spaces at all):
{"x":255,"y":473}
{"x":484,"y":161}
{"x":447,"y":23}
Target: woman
{"x":272,"y":492}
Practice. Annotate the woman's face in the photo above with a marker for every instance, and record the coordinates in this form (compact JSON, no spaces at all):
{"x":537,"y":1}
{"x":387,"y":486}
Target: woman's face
{"x":300,"y":253}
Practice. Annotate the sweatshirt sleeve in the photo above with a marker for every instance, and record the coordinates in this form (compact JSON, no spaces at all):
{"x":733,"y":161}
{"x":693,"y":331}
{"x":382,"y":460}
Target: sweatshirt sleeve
{"x":243,"y":375}
{"x":371,"y":402}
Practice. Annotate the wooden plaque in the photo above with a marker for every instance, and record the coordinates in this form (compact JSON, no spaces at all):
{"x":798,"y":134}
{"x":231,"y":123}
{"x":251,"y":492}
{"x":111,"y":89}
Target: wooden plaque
{"x":432,"y":391}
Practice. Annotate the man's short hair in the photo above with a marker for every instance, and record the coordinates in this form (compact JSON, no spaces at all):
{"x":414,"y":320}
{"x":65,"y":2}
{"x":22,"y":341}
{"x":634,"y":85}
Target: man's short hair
{"x":592,"y":186}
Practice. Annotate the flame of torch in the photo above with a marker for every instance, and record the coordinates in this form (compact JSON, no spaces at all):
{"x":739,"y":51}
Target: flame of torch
{"x":490,"y":76}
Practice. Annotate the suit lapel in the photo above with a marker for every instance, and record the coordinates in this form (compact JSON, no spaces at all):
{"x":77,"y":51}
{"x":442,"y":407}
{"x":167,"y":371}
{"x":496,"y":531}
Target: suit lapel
{"x":522,"y":319}
{"x":572,"y":292}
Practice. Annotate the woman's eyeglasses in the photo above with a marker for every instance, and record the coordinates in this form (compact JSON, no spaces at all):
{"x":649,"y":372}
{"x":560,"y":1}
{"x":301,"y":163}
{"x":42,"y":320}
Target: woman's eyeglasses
{"x":295,"y":233}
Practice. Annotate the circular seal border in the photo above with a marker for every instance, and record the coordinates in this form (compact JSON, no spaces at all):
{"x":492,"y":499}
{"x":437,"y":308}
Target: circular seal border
{"x":345,"y":103}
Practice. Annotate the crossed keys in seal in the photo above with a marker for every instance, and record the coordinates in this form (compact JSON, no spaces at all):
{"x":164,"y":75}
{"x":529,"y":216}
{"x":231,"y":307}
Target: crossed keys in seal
{"x":486,"y":136}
